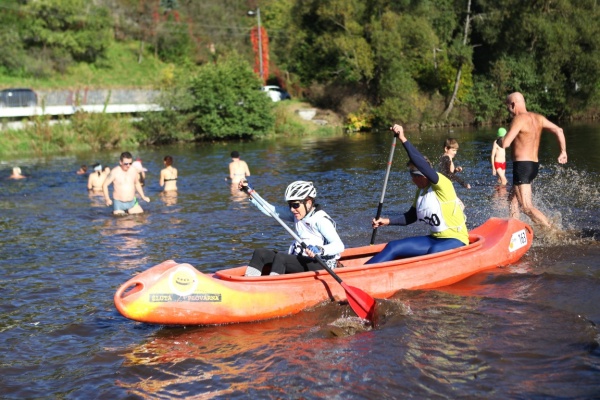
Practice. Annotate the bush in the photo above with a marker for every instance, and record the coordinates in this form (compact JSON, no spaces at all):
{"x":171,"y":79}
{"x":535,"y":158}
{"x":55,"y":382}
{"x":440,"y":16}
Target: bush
{"x":170,"y":125}
{"x":227,"y":102}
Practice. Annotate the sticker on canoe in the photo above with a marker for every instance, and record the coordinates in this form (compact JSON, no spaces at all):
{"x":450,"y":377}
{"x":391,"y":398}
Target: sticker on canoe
{"x":518,"y":240}
{"x":194,"y":298}
{"x":183,"y":281}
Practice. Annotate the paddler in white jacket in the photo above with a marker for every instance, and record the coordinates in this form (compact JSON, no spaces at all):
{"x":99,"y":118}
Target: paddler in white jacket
{"x":313,"y":225}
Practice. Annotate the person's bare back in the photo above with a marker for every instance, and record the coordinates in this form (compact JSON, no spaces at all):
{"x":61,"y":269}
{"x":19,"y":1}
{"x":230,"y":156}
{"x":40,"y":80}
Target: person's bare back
{"x":526,"y":143}
{"x":238,"y":169}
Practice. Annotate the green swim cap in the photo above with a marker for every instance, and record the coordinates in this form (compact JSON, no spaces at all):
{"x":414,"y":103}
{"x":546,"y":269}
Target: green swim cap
{"x":501,"y":132}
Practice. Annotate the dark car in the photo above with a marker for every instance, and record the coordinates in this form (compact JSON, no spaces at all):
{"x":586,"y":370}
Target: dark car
{"x":18,"y":98}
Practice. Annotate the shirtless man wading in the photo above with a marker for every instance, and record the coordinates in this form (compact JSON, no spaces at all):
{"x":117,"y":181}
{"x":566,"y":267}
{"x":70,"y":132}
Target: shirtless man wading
{"x":524,"y":135}
{"x":125,"y":183}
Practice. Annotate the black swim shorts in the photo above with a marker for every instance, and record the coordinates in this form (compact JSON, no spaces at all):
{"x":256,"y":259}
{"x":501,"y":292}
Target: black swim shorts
{"x":524,"y":172}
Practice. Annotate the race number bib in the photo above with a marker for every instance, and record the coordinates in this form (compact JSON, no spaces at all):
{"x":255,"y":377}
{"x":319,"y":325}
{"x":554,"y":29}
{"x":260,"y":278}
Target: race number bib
{"x":518,"y":240}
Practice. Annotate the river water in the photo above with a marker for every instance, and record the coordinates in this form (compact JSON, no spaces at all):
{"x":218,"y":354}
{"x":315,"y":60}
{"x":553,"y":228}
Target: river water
{"x":524,"y":331}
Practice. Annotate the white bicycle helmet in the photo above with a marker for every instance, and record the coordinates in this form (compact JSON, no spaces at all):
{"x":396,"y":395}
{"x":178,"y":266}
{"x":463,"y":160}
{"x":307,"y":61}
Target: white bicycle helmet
{"x":300,"y":190}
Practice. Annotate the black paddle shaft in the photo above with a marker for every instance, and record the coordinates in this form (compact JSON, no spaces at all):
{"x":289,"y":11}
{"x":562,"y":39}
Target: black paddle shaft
{"x":385,"y":181}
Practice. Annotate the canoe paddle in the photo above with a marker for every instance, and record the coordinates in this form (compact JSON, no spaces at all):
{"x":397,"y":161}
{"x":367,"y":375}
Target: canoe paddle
{"x":362,"y":304}
{"x":385,"y":181}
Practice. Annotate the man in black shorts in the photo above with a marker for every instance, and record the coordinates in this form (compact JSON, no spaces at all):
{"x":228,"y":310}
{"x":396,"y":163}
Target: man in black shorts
{"x":524,"y":172}
{"x":524,"y":135}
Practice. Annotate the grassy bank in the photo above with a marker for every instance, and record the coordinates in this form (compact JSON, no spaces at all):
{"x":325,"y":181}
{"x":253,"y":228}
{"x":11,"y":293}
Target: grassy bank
{"x":86,"y":131}
{"x":121,"y":68}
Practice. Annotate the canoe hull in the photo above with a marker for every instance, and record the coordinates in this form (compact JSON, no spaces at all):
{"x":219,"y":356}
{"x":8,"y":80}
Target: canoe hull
{"x":178,"y":294}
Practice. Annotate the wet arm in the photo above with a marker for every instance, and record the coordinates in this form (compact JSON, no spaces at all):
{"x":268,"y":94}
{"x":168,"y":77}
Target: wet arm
{"x":419,"y":161}
{"x":109,"y":179}
{"x":560,"y":137}
{"x":493,"y":156}
{"x":140,"y":189}
{"x":459,"y":180}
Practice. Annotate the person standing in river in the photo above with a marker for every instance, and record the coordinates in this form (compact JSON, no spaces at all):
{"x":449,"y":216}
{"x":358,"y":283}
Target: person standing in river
{"x":96,"y":179}
{"x":524,"y":135}
{"x":126,"y":181}
{"x":137,"y":165}
{"x":498,"y":158}
{"x":238,"y":169}
{"x":16,"y":174}
{"x":447,"y":166}
{"x":168,"y":175}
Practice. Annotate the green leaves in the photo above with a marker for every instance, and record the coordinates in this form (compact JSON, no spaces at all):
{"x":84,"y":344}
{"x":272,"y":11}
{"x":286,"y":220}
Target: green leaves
{"x":61,"y":32}
{"x":228,"y":102}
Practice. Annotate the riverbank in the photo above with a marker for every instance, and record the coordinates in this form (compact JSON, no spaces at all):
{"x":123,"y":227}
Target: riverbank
{"x":44,"y":135}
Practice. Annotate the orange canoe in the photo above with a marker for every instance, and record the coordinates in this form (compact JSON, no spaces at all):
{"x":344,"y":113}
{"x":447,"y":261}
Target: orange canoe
{"x":178,"y":294}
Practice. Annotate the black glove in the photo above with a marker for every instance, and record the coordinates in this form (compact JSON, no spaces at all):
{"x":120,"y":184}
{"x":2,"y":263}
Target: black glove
{"x":245,"y":187}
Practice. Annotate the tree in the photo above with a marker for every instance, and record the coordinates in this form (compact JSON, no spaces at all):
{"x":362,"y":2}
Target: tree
{"x":227,"y":102}
{"x":463,"y":56}
{"x":62,"y":31}
{"x":173,"y":42}
{"x":549,"y":50}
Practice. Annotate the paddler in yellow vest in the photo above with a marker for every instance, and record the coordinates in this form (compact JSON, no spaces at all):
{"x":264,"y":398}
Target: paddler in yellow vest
{"x":436,"y":204}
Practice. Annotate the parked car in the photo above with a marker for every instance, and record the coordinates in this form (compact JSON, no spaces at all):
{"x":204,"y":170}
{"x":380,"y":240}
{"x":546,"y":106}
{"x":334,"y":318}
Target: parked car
{"x":276,"y":93}
{"x":18,"y":98}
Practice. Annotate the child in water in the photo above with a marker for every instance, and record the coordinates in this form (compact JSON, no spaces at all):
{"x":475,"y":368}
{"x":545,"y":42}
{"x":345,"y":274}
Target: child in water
{"x":447,"y":167}
{"x":498,"y":158}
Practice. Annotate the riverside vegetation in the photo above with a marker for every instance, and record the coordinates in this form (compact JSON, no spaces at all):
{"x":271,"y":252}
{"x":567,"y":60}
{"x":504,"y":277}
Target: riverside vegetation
{"x":426,"y":63}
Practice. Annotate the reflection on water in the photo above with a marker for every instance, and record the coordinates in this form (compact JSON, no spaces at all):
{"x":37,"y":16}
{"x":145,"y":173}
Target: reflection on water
{"x":125,"y":240}
{"x":96,"y":199}
{"x":244,"y":357}
{"x":526,"y":330}
{"x":445,"y":341}
{"x":500,"y":203}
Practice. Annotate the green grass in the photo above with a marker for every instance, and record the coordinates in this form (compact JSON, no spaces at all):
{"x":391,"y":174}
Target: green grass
{"x":120,"y":68}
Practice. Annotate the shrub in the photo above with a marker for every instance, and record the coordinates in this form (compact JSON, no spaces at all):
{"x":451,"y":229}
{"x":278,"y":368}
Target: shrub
{"x":227,"y":102}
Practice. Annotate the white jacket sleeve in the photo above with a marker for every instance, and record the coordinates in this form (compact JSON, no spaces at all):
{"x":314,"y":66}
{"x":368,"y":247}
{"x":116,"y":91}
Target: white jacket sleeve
{"x":282,"y":212}
{"x":334,"y":244}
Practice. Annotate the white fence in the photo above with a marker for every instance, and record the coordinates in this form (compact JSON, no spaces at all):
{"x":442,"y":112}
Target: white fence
{"x":24,"y":112}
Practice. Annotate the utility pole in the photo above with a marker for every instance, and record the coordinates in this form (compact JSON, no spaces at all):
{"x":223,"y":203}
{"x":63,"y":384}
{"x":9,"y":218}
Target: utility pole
{"x":260,"y":47}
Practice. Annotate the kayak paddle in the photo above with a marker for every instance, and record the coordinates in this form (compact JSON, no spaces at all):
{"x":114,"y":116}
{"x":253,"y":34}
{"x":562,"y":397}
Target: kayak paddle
{"x":362,"y":304}
{"x":385,"y":181}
